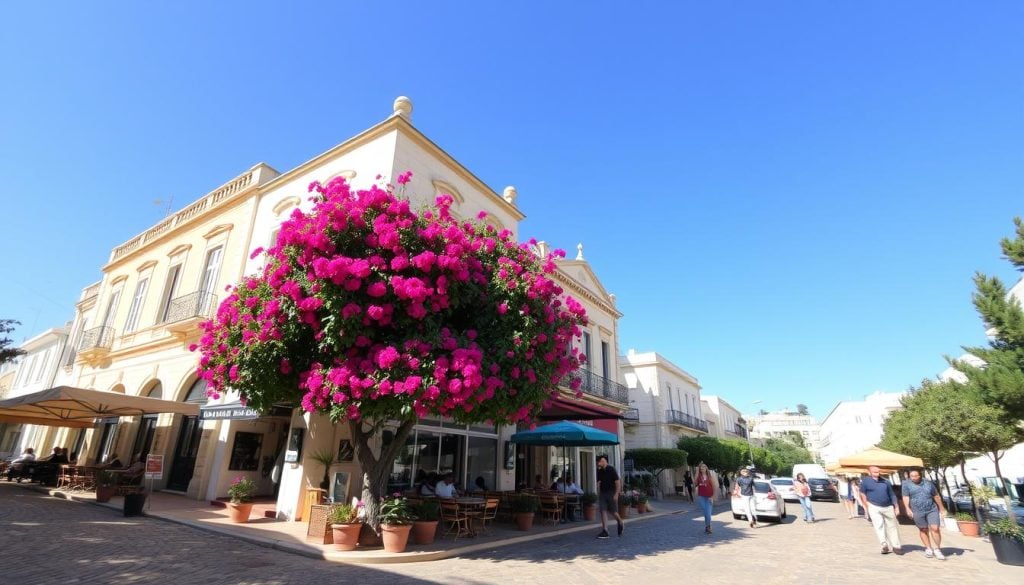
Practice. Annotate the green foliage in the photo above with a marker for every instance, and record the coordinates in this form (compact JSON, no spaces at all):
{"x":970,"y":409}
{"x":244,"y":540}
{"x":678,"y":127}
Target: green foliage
{"x":801,"y":409}
{"x":8,"y":353}
{"x":965,"y":517}
{"x":241,"y":490}
{"x":1006,"y":528}
{"x":344,"y":514}
{"x":588,"y":498}
{"x":656,"y":460}
{"x":428,"y":510}
{"x":525,"y":504}
{"x":787,"y":454}
{"x":396,"y":510}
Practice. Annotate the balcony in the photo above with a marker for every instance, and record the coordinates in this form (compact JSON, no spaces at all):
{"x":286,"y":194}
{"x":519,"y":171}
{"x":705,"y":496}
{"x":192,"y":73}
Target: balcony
{"x":631,"y":416}
{"x":677,"y":417}
{"x":738,"y":431}
{"x":95,"y":344}
{"x":599,"y":386}
{"x":184,"y":314}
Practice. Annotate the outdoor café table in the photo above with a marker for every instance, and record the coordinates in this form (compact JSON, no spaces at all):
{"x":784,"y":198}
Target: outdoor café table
{"x":474,"y":508}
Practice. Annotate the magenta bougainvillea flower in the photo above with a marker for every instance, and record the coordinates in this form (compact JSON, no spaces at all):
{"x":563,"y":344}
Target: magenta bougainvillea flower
{"x":368,"y":309}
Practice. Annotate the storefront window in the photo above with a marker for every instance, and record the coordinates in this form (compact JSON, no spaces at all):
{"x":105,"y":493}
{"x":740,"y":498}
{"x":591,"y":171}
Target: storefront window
{"x":245,"y":454}
{"x":481,"y":461}
{"x":442,"y":450}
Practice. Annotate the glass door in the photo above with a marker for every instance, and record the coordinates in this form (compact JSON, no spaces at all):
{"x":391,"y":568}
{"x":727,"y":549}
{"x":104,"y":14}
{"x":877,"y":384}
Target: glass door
{"x":185,"y":454}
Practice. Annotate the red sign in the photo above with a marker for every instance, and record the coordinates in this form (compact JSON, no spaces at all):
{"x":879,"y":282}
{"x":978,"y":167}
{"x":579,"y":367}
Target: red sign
{"x":154,"y":466}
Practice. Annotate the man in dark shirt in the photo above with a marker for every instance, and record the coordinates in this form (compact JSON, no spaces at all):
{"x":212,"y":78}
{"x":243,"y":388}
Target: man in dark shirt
{"x":743,"y":488}
{"x":879,"y":499}
{"x":608,"y":488}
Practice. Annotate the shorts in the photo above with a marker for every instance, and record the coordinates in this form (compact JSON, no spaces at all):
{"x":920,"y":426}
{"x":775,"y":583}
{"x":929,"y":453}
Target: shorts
{"x":606,"y":501}
{"x":929,"y":518}
{"x":850,"y":499}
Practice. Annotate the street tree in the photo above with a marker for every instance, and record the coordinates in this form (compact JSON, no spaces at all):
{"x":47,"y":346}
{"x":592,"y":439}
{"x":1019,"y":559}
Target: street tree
{"x":655,"y":461}
{"x":709,"y":450}
{"x":378,"y":315}
{"x":801,"y":409}
{"x":8,"y":353}
{"x":787,"y":453}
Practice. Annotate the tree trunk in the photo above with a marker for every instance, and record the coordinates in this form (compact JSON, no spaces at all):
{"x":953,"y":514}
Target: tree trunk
{"x":376,"y":470}
{"x":1007,"y":496}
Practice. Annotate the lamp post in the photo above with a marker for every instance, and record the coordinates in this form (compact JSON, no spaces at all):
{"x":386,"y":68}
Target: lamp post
{"x":750,"y":445}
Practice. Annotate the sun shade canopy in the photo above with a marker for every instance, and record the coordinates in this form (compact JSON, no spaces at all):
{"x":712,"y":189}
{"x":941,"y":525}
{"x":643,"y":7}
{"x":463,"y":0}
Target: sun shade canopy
{"x":66,"y":406}
{"x":880,"y":458}
{"x":567,"y":434}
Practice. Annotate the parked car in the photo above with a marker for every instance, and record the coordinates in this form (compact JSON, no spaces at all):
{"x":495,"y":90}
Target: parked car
{"x":823,"y":489}
{"x":784,"y":485}
{"x":767,"y":503}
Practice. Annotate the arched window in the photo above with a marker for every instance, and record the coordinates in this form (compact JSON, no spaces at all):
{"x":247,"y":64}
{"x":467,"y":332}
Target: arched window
{"x":156,"y":391}
{"x":197,"y":393}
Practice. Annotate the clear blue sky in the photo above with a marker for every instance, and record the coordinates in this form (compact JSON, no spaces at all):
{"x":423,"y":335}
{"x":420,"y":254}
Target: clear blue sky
{"x":788,"y":199}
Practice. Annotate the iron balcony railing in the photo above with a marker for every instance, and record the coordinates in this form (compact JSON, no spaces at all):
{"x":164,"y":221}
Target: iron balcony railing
{"x":631,"y":415}
{"x":594,"y":385}
{"x":197,"y":304}
{"x":739,"y":431}
{"x":97,"y":338}
{"x":681,"y":418}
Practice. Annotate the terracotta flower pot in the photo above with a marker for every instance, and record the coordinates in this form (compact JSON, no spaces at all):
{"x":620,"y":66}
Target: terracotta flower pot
{"x":589,"y":512}
{"x":623,"y":511}
{"x":395,"y":536}
{"x":240,"y":512}
{"x":968,"y":528}
{"x":524,"y":520}
{"x":105,"y":492}
{"x":346,"y":536}
{"x":424,"y":531}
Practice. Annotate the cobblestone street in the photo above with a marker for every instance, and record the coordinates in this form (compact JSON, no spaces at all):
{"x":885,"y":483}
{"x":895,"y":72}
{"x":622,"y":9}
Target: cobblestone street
{"x":49,"y":540}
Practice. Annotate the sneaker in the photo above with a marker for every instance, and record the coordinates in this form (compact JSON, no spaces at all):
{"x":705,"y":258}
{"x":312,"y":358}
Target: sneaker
{"x":620,"y":527}
{"x":604,"y":534}
{"x":897,"y":551}
{"x":885,"y":549}
{"x":927,"y":553}
{"x":938,"y":554}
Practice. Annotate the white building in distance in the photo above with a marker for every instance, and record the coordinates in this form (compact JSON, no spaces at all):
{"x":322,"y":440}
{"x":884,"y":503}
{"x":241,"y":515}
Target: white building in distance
{"x":855,"y":425}
{"x":778,"y":425}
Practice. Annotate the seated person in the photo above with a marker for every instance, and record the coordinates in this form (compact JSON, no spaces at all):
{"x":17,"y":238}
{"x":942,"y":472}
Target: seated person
{"x":73,"y":458}
{"x":446,"y":487}
{"x":479,"y":485}
{"x":134,"y":472}
{"x":18,"y":465}
{"x":538,"y":483}
{"x":112,"y":462}
{"x":57,"y":456}
{"x":427,"y":485}
{"x":565,"y":485}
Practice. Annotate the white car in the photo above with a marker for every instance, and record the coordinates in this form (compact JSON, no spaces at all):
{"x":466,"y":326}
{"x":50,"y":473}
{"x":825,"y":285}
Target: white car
{"x":767,"y":503}
{"x":784,"y":485}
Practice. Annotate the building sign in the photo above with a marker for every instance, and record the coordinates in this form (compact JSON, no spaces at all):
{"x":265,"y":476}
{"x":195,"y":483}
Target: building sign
{"x":155,"y":467}
{"x":228,"y":412}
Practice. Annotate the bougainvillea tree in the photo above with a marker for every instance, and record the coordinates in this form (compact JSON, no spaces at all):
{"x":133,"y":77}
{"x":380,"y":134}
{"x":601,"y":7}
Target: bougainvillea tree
{"x":378,"y":314}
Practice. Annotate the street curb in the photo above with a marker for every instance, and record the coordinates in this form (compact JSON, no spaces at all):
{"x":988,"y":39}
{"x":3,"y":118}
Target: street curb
{"x":376,"y":557}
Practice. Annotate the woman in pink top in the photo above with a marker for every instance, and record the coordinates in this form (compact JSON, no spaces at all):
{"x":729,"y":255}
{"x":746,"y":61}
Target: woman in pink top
{"x":705,"y":493}
{"x":803,"y":490}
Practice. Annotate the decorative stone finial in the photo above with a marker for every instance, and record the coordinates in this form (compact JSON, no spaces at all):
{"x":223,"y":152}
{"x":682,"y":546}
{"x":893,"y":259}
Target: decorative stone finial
{"x":542,"y":249}
{"x":612,"y":297}
{"x":579,"y":251}
{"x":403,"y":107}
{"x":509,"y":194}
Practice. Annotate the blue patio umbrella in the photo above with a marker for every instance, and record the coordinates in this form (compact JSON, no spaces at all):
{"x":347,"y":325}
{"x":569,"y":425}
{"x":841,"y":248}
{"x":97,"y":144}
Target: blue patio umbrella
{"x":565,"y":434}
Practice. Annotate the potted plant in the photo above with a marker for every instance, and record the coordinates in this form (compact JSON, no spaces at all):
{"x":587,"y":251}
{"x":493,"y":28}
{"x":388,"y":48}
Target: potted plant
{"x":1007,"y":541}
{"x":967,"y":523}
{"x":105,"y":488}
{"x":625,"y":501}
{"x":524,"y":506}
{"x":241,"y":492}
{"x":396,"y":518}
{"x":345,"y":526}
{"x":589,"y":503}
{"x":428,"y":514}
{"x":640,"y":501}
{"x":325,"y":458}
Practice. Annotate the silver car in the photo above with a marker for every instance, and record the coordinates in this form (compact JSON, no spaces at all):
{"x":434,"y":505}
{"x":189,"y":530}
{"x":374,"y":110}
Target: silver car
{"x":784,"y":485}
{"x":767,"y":503}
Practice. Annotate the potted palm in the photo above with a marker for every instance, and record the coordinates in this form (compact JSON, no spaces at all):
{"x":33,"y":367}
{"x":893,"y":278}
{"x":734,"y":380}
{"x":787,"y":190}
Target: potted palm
{"x":396,"y":518}
{"x":325,"y":458}
{"x":589,"y":503}
{"x":1007,"y":541}
{"x":428,"y":514}
{"x":105,"y":486}
{"x":241,"y":491}
{"x":524,"y":506}
{"x":345,"y":526}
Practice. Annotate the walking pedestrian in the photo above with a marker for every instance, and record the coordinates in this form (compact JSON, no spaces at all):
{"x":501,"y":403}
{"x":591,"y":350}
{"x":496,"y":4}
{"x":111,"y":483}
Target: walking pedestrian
{"x":803,"y":491}
{"x":924,"y":506}
{"x":705,"y":494}
{"x":608,"y":488}
{"x":688,"y":482}
{"x":879,"y":499}
{"x":744,"y":488}
{"x":850,"y":490}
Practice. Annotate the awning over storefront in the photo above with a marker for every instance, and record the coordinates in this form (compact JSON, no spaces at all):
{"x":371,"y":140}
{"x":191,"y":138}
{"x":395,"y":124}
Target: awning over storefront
{"x":66,"y":406}
{"x":565,"y":409}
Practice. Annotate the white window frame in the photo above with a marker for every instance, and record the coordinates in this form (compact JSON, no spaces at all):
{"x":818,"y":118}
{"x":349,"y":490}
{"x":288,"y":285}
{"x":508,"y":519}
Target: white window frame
{"x":138,"y":301}
{"x":172,"y":282}
{"x":209,"y":275}
{"x":112,"y":305}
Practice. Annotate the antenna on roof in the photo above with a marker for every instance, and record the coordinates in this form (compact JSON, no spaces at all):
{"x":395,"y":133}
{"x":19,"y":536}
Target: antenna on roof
{"x":165,"y":203}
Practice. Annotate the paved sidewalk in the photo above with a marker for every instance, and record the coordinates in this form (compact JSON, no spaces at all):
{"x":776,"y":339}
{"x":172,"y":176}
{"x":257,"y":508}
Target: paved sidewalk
{"x":291,"y":536}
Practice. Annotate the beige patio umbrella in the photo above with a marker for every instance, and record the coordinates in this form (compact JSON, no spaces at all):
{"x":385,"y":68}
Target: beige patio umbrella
{"x":881,"y":458}
{"x":66,"y":406}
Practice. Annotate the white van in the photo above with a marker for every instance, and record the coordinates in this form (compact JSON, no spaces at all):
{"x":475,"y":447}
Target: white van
{"x":809,"y":470}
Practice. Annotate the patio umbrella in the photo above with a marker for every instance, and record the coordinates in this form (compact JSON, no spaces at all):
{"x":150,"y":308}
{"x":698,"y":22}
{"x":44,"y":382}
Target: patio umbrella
{"x":66,"y":406}
{"x":881,"y":458}
{"x":565,"y":434}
